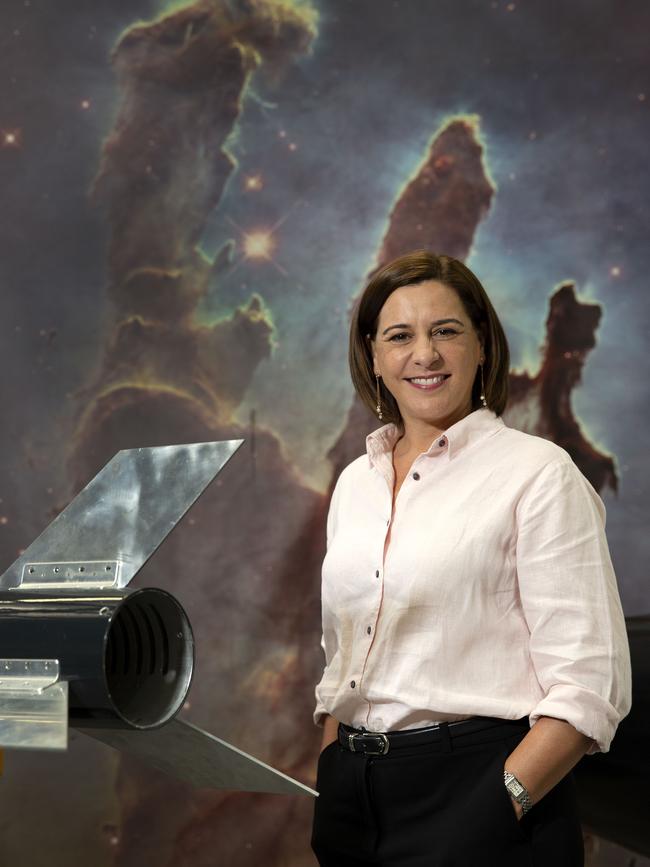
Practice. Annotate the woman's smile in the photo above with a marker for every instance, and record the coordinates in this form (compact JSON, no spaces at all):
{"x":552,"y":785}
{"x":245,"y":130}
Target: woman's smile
{"x":428,"y":383}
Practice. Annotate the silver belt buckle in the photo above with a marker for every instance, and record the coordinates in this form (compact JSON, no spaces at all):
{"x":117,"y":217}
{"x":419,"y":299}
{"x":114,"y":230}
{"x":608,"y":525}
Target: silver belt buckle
{"x":383,"y":744}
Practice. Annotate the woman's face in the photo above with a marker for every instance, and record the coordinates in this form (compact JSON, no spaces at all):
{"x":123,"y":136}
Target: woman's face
{"x":427,"y":352}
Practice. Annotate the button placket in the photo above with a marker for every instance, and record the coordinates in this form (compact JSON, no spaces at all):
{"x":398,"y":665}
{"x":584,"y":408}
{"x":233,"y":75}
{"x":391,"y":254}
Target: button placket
{"x":370,"y":629}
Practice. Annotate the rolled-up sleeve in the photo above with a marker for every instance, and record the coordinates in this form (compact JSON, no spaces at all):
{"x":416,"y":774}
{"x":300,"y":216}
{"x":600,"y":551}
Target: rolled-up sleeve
{"x":578,"y":642}
{"x":320,"y":711}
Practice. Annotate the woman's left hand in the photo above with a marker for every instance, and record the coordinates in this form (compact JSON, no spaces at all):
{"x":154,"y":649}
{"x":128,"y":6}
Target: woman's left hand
{"x":547,"y":753}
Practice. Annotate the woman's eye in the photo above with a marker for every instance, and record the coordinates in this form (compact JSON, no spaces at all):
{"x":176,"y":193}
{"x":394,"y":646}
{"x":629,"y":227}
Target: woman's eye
{"x":399,"y":337}
{"x":445,"y":332}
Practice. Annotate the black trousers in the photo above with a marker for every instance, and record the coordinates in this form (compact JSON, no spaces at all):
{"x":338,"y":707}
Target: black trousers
{"x":440,"y":805}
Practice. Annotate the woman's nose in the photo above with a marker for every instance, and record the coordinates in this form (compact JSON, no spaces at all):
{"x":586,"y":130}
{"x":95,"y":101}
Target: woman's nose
{"x":425,"y":351}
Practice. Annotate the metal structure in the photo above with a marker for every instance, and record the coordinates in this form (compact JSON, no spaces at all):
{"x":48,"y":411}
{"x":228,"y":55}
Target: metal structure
{"x":77,"y":647}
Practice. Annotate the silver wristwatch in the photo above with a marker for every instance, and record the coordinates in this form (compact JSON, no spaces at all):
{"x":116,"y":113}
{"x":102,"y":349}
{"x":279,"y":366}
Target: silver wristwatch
{"x":517,"y":791}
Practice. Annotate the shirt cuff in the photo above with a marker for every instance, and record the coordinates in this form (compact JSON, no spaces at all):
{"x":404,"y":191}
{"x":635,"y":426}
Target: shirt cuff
{"x":588,"y":713}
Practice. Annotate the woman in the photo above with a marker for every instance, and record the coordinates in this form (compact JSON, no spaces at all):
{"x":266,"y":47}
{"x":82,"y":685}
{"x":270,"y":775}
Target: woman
{"x":474,"y":640}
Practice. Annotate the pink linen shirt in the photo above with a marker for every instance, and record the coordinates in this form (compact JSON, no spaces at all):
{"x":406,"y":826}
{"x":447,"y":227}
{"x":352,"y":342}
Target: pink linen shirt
{"x":496,"y":597}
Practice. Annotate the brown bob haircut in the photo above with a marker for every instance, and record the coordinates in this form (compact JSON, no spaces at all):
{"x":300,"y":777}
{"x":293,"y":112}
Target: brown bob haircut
{"x":416,"y":267}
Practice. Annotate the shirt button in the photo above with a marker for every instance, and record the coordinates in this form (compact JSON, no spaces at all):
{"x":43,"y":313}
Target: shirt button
{"x":442,"y":442}
{"x":416,"y":476}
{"x":377,"y":574}
{"x":353,"y":684}
{"x":369,"y":630}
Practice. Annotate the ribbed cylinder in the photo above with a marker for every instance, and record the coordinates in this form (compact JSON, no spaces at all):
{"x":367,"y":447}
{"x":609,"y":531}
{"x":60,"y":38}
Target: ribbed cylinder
{"x":128,"y":656}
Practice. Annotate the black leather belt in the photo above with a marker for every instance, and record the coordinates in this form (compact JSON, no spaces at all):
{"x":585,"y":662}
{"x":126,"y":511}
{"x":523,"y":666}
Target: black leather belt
{"x":381,"y":743}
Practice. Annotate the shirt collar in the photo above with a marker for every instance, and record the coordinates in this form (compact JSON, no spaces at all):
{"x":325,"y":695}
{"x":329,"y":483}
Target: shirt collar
{"x":459,"y":437}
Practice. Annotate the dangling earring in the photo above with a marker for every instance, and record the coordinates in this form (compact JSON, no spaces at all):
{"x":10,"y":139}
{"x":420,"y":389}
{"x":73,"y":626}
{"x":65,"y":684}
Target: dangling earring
{"x":483,"y":400}
{"x":378,"y":410}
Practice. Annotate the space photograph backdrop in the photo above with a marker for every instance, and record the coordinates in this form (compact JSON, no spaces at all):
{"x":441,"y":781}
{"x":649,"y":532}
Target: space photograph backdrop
{"x":193,"y":194}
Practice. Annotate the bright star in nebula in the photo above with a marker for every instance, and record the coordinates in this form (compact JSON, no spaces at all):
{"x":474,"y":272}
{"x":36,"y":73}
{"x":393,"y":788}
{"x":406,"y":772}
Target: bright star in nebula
{"x":11,"y":138}
{"x":258,"y":245}
{"x":253,"y":183}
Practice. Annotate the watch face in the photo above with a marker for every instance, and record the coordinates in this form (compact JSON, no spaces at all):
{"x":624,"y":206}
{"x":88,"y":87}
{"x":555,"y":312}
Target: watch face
{"x":515,"y":787}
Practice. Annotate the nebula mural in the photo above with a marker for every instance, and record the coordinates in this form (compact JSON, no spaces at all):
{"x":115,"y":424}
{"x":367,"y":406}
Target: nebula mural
{"x":195,"y":194}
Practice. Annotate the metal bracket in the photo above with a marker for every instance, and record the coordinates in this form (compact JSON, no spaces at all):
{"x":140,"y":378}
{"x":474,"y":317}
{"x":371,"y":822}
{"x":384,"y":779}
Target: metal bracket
{"x":33,"y":705}
{"x":81,"y":574}
{"x":124,"y":513}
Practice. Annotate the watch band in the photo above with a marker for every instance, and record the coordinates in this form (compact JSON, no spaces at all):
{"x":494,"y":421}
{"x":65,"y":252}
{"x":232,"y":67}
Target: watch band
{"x":518,"y":791}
